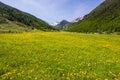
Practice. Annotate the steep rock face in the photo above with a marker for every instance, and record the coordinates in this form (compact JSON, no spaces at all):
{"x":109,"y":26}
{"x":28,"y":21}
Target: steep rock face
{"x":104,"y":18}
{"x":12,"y":15}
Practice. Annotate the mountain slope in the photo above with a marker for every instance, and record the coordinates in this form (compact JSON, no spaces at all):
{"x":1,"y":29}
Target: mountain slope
{"x":62,"y":25}
{"x":105,"y":18}
{"x":13,"y":16}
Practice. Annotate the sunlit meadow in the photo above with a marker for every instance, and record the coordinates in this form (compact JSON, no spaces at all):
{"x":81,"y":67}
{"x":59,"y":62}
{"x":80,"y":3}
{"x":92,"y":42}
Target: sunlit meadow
{"x":59,"y":56}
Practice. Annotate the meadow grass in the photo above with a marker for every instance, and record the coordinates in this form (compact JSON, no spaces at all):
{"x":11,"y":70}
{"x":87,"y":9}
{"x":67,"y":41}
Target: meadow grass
{"x":59,"y":56}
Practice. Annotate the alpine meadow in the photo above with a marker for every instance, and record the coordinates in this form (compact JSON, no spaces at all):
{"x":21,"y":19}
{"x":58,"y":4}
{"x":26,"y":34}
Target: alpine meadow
{"x":69,"y":56}
{"x":87,"y":48}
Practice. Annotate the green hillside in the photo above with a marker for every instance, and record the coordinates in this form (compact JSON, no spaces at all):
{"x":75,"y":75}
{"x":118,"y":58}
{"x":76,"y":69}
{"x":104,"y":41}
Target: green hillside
{"x":14,"y":18}
{"x":105,"y":18}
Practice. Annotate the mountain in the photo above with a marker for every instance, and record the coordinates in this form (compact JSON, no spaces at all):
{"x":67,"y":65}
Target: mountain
{"x":55,"y":23}
{"x":62,"y":25}
{"x":104,"y":18}
{"x":14,"y":19}
{"x":77,"y":20}
{"x":65,"y":25}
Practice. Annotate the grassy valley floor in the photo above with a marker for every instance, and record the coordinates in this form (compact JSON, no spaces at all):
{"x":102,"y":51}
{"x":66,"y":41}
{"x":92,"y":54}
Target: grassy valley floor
{"x":59,"y":56}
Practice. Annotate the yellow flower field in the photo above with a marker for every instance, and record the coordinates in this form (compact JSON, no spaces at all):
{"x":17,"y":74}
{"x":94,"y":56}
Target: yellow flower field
{"x":59,"y":56}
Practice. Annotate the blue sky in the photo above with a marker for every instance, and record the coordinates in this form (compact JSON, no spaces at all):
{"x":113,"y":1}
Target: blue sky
{"x":55,"y":10}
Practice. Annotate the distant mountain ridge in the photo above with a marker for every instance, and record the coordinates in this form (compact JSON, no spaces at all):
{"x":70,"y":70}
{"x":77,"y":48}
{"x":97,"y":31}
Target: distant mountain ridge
{"x":104,"y":18}
{"x":62,"y":25}
{"x":65,"y":25}
{"x":77,"y":20}
{"x":63,"y":22}
{"x":12,"y":16}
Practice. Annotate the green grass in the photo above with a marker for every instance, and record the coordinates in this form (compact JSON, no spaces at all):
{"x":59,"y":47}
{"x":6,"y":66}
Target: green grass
{"x":59,"y":56}
{"x":12,"y":27}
